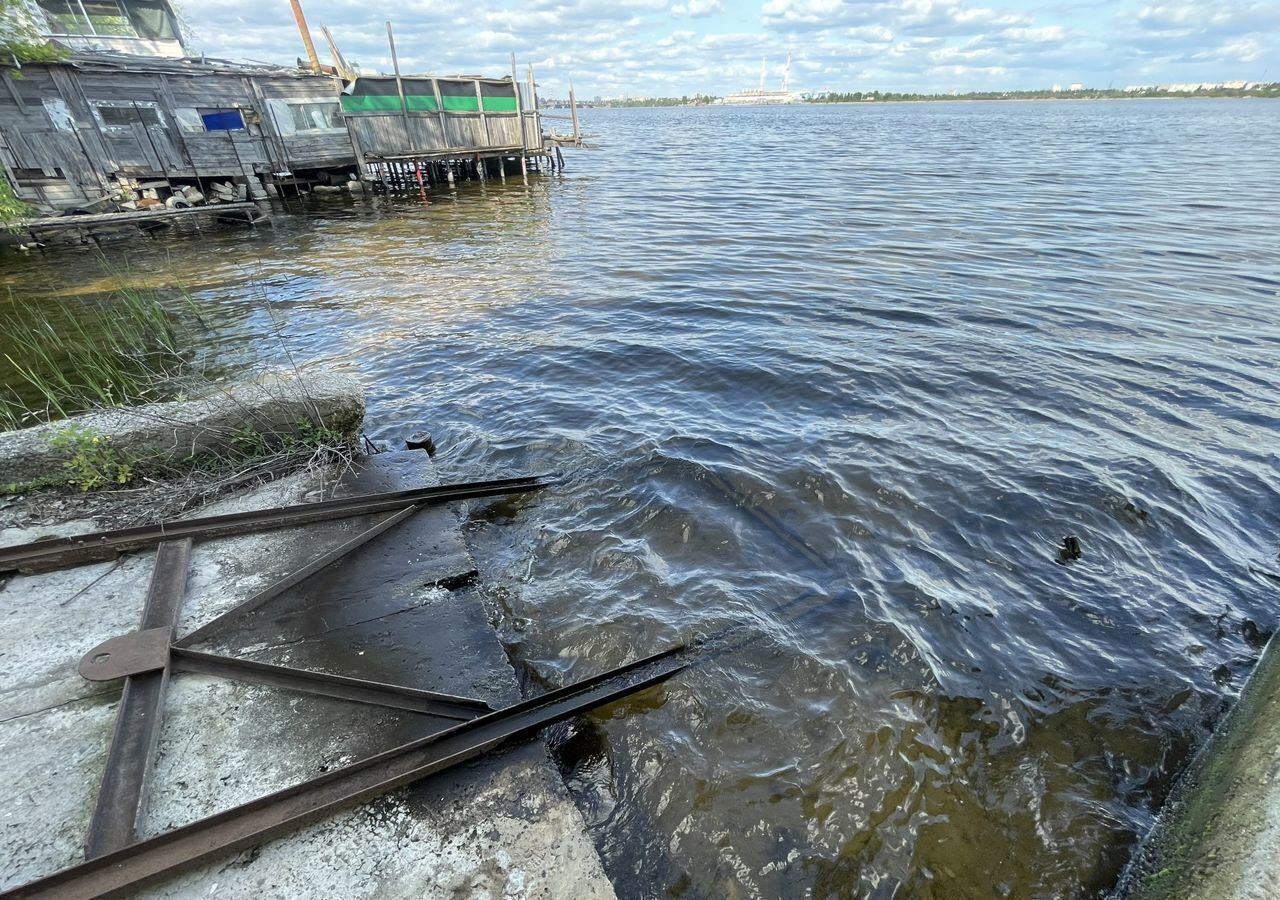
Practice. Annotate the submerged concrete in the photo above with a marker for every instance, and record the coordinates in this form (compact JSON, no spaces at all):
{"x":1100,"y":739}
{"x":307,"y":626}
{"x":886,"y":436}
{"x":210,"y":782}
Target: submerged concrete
{"x":1219,"y":835}
{"x":275,"y":406}
{"x":503,"y":826}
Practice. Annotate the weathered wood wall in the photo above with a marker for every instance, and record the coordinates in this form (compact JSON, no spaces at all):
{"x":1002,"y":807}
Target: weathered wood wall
{"x":445,"y":116}
{"x":57,"y":149}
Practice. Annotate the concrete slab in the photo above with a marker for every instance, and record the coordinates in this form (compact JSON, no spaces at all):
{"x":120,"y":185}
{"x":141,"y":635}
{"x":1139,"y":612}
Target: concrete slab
{"x":504,"y":826}
{"x":279,"y":403}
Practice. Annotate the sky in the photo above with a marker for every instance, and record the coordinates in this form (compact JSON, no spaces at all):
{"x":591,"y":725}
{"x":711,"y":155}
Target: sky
{"x":641,"y":48}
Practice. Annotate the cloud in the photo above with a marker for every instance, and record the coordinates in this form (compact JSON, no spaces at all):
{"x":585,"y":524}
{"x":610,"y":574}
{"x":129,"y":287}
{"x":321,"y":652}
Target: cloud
{"x":639,"y":47}
{"x":1239,"y":50}
{"x":697,"y":9}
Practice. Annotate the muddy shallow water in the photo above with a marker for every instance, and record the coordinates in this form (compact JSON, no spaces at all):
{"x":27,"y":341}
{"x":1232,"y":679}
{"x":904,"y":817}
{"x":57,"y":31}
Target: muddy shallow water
{"x":881,"y":359}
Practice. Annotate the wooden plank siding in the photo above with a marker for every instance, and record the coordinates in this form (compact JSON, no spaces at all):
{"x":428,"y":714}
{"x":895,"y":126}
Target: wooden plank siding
{"x":82,"y":151}
{"x":439,"y":117}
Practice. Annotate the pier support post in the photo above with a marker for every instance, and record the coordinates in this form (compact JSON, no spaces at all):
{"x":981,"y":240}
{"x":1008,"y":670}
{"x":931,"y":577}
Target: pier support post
{"x":422,"y":185}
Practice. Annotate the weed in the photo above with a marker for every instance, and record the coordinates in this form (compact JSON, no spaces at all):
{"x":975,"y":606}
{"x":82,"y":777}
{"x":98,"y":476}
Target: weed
{"x":125,"y":349}
{"x":249,"y":442}
{"x":94,"y":463}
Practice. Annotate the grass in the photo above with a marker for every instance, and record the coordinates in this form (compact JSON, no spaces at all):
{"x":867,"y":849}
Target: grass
{"x":127,"y":348}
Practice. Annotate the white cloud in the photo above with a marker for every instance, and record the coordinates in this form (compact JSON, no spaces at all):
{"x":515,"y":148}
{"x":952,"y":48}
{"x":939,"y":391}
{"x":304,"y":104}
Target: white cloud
{"x":697,"y":9}
{"x":617,"y":46}
{"x":1240,"y":50}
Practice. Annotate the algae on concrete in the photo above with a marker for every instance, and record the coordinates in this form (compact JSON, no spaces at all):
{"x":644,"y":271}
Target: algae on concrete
{"x":1218,"y":837}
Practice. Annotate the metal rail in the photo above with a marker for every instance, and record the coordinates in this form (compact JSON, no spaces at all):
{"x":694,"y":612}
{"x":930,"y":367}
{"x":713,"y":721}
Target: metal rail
{"x":120,"y":806}
{"x":58,"y":553}
{"x":131,"y":868}
{"x":395,"y":696}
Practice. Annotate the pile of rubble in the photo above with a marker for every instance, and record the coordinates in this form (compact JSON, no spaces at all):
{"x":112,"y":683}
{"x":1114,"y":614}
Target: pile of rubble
{"x":141,"y":195}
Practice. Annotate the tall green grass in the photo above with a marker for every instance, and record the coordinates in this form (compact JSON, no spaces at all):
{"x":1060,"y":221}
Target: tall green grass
{"x":63,"y":357}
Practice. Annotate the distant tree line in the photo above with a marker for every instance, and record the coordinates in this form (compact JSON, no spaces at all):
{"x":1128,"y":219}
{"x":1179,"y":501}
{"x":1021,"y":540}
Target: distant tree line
{"x":1265,"y":90}
{"x":686,"y":100}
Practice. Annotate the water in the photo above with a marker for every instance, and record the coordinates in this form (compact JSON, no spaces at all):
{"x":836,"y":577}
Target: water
{"x":880,"y":357}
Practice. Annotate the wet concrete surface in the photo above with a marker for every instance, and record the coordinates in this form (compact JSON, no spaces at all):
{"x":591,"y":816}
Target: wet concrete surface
{"x":502,"y":826}
{"x":1218,"y":837}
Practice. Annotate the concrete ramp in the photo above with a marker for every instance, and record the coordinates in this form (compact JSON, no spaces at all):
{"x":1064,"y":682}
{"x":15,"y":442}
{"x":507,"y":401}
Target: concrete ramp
{"x":398,"y":610}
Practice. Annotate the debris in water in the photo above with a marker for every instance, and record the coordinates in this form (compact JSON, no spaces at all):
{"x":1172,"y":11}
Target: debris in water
{"x":1070,"y":549}
{"x":421,"y":440}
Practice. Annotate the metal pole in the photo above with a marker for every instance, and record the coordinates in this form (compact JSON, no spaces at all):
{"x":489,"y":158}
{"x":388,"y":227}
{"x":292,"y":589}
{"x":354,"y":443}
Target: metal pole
{"x":345,"y":71}
{"x":537,"y":118}
{"x":306,"y":36}
{"x":404,"y":101}
{"x":573,"y":109}
{"x":515,"y":86}
{"x":395,"y":64}
{"x":422,"y":187}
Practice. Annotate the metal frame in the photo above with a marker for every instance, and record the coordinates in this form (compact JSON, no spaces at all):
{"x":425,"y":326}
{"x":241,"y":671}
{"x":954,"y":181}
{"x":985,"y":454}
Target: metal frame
{"x":57,"y":553}
{"x":117,"y":861}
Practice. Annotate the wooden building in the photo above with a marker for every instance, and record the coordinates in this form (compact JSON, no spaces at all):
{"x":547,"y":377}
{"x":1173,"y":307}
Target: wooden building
{"x":129,"y":106}
{"x":467,"y":125}
{"x":71,"y":131}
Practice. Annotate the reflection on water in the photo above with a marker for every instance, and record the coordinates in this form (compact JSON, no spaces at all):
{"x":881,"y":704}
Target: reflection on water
{"x":883,"y":358}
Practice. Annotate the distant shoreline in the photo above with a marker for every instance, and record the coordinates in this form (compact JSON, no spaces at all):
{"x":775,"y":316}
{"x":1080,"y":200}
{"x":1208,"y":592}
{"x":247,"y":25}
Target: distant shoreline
{"x":1270,"y":92}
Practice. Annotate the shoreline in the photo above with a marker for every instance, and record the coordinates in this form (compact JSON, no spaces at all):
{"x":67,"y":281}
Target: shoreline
{"x":900,"y":100}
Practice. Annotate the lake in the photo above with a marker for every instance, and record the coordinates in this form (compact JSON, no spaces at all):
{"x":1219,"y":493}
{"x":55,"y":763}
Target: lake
{"x":849,"y":375}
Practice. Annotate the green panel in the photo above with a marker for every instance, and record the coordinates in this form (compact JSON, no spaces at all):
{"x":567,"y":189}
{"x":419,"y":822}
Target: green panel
{"x":369,"y":103}
{"x":500,"y":104}
{"x":461,"y":104}
{"x":383,"y":103}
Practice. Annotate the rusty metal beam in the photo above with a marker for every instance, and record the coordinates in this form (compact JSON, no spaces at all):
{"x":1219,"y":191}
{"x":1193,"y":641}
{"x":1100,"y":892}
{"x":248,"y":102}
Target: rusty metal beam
{"x":120,"y":806}
{"x":58,"y":553}
{"x":341,"y":687}
{"x":125,"y":871}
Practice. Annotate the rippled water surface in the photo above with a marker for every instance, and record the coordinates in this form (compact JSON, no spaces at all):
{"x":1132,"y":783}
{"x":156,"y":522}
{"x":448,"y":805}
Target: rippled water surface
{"x":881,"y":359}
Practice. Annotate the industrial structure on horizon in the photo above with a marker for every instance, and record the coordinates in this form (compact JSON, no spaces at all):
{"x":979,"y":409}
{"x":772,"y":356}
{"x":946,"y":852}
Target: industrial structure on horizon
{"x":762,"y":97}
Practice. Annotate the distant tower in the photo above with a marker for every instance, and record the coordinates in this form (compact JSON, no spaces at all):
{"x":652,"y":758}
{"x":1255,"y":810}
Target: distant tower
{"x":786,"y":73}
{"x":762,"y":65}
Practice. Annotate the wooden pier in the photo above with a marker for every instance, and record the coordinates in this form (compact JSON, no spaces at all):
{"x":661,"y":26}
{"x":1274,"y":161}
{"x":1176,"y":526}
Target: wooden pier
{"x":89,"y":227}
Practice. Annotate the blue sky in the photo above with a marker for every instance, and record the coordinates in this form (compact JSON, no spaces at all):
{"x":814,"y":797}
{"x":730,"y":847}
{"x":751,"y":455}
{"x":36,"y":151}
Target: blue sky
{"x":675,"y":47}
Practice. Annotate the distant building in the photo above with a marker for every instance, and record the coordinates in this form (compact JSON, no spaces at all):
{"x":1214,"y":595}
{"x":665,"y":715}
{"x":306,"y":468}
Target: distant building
{"x":1057,"y":89}
{"x":1235,"y":85}
{"x":138,"y":27}
{"x":1076,"y":86}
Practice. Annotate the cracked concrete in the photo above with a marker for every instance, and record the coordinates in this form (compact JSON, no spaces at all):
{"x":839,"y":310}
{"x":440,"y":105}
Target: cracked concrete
{"x":503,"y":826}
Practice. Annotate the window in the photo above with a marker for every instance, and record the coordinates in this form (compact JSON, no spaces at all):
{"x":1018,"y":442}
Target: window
{"x":222,"y":119}
{"x":117,"y":116}
{"x":152,"y":19}
{"x":189,"y":119}
{"x":104,"y":17}
{"x":315,"y":116}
